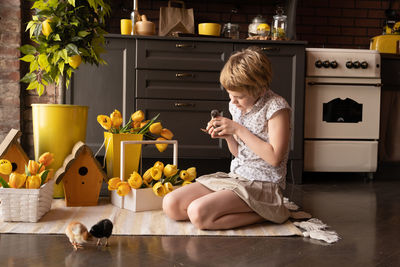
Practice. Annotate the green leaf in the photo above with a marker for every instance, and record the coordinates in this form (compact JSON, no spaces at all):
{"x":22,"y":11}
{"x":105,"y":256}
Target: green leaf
{"x":83,"y":33}
{"x":61,"y":67}
{"x":64,"y":55}
{"x":44,"y":176}
{"x":29,"y":77}
{"x":33,"y":66}
{"x":57,"y":37}
{"x":4,"y":183}
{"x":72,"y":49}
{"x":43,"y":63}
{"x":28,"y":58}
{"x":40,"y":89}
{"x":30,"y":24}
{"x":32,"y":85}
{"x":28,"y":49}
{"x":71,"y":2}
{"x":27,"y":173}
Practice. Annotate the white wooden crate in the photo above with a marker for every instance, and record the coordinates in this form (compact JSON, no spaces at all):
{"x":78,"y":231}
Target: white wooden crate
{"x":140,"y":199}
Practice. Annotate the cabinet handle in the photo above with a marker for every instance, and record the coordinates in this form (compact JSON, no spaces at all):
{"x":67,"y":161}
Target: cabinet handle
{"x":184,"y":45}
{"x":183,"y":105}
{"x":270,"y":49}
{"x":180,"y":75}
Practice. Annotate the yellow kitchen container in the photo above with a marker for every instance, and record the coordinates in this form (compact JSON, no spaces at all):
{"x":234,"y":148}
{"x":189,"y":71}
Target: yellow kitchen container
{"x":56,"y":129}
{"x":213,"y":29}
{"x":112,"y":144}
{"x":385,"y":43}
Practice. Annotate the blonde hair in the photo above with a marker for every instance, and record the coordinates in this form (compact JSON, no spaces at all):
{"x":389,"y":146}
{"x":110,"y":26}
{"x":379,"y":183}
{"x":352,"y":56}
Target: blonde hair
{"x":248,"y":70}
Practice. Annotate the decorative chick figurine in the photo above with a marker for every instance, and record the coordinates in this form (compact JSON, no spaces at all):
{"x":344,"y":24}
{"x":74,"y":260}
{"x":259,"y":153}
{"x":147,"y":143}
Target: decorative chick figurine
{"x":102,"y":229}
{"x":214,"y":113}
{"x":77,"y":234}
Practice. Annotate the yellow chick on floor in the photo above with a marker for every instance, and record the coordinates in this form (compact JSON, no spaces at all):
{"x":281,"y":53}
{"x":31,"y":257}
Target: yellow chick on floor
{"x":77,"y":234}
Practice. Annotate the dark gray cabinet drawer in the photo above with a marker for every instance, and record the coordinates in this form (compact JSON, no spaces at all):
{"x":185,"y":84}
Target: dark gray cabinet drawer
{"x":185,"y":118}
{"x":175,"y":55}
{"x":183,"y":84}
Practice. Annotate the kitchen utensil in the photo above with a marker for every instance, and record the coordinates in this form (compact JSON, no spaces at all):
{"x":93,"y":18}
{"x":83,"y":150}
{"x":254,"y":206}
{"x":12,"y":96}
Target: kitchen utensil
{"x":126,"y":26}
{"x":279,"y":25}
{"x":145,"y":27}
{"x":231,"y":30}
{"x":213,"y":29}
{"x":257,"y":20}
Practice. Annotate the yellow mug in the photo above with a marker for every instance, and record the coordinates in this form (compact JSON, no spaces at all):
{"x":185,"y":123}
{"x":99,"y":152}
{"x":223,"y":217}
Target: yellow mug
{"x":126,"y":26}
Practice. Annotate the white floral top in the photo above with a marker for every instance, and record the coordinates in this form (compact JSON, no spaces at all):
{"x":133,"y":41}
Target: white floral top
{"x":248,"y":164}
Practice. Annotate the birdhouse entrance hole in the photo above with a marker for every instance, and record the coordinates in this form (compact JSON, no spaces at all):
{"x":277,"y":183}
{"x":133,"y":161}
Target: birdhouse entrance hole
{"x":83,"y":171}
{"x":14,"y":166}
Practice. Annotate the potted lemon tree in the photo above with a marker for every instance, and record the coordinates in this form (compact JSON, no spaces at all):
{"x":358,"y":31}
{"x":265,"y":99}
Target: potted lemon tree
{"x":65,"y":33}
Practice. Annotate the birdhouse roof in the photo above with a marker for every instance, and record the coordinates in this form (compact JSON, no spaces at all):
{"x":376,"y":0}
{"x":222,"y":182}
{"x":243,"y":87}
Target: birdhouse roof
{"x":9,"y":140}
{"x":77,"y":150}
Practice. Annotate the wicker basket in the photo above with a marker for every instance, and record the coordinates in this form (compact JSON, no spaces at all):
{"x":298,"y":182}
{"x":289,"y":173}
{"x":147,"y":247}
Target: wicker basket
{"x":25,"y":205}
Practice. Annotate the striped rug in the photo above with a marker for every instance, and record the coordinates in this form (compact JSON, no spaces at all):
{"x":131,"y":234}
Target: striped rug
{"x":134,"y":223}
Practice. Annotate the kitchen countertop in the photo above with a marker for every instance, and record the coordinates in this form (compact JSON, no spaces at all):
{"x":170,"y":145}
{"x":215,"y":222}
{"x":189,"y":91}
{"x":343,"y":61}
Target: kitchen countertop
{"x":208,"y":39}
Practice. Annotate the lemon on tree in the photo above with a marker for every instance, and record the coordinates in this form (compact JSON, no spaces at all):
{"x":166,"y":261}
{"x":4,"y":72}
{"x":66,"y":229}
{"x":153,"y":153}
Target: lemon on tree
{"x":66,"y":33}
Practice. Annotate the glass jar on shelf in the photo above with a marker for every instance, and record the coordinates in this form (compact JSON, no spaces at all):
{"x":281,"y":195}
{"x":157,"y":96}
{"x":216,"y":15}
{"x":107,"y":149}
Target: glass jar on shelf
{"x":279,"y":25}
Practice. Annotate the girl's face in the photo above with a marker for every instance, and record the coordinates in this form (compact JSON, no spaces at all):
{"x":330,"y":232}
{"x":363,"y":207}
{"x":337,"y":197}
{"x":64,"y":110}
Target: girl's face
{"x":242,"y":100}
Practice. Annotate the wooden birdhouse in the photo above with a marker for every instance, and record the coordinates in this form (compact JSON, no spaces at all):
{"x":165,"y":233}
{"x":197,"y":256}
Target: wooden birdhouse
{"x":82,"y":177}
{"x":11,"y":150}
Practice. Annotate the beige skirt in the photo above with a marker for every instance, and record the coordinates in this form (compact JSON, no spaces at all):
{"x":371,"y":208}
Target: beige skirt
{"x":264,"y":198}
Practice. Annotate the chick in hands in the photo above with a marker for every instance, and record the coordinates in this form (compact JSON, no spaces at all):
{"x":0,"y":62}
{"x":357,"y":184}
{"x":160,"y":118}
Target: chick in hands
{"x":102,"y":229}
{"x":77,"y":234}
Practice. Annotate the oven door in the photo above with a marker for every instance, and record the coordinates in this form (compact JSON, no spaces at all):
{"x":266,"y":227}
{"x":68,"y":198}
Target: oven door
{"x":342,"y":108}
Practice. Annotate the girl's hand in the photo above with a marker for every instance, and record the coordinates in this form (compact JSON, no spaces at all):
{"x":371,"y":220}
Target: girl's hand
{"x":221,"y":127}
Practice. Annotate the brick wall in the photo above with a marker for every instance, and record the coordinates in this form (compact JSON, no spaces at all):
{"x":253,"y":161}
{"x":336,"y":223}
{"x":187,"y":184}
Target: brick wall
{"x":10,"y":28}
{"x":328,"y":23}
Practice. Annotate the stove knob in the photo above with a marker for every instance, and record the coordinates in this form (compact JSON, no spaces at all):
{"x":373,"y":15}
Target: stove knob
{"x":356,"y":64}
{"x":318,"y":64}
{"x":349,"y":64}
{"x":334,"y":64}
{"x":326,"y":64}
{"x":364,"y":64}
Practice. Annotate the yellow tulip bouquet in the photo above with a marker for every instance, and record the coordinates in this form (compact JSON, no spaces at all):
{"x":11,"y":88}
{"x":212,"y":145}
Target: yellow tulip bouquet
{"x":159,"y":177}
{"x":35,"y":174}
{"x":136,"y":125}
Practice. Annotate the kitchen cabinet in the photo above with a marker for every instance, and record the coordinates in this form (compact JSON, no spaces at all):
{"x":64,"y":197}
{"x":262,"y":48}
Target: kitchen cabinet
{"x":179,"y":78}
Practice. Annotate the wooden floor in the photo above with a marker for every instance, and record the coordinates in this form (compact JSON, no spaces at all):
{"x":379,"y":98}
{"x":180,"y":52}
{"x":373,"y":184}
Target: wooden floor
{"x":366,"y":215}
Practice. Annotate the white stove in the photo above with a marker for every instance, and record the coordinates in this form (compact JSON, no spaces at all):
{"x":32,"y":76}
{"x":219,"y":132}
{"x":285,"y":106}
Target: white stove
{"x":342,"y":106}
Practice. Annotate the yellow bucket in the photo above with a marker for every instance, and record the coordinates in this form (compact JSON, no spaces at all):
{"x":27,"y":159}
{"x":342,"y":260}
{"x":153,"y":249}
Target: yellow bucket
{"x":56,"y":129}
{"x":112,"y":143}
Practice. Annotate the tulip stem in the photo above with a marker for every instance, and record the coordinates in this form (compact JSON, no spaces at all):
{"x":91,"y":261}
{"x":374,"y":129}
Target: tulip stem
{"x":4,"y":183}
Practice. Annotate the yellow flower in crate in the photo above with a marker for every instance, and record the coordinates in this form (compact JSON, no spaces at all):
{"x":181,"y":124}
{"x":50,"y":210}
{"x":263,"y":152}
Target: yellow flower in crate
{"x":104,"y":121}
{"x":168,"y":187}
{"x":167,"y":134}
{"x":33,"y":167}
{"x":159,"y":189}
{"x":161,"y":147}
{"x":192,"y":173}
{"x":113,"y":183}
{"x":170,"y":170}
{"x":186,"y":183}
{"x":137,"y":116}
{"x":135,"y":180}
{"x":143,"y":123}
{"x":46,"y":158}
{"x":159,"y":165}
{"x":156,"y":173}
{"x":17,"y":180}
{"x":33,"y":182}
{"x":5,"y":167}
{"x":147,"y":176}
{"x":136,"y":125}
{"x":156,"y":128}
{"x":123,"y":188}
{"x":184,"y":175}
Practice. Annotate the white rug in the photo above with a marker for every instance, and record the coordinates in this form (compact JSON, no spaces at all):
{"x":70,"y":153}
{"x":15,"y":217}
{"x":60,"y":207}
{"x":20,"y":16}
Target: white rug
{"x":134,"y":223}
